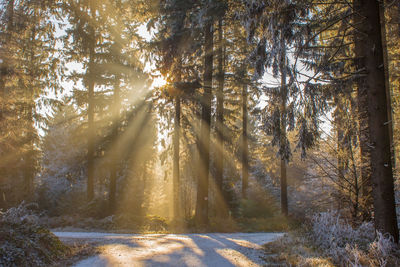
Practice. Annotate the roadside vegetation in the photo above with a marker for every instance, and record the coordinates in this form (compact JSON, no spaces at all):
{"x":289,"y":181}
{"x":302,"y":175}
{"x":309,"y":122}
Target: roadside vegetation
{"x":328,"y":240}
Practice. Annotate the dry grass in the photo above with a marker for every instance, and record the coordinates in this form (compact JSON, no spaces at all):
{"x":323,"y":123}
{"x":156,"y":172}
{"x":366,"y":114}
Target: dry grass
{"x":78,"y":251}
{"x":294,"y":250}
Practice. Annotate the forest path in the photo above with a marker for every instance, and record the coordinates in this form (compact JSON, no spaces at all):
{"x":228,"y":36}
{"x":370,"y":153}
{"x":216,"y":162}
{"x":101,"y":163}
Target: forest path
{"x":214,"y":249}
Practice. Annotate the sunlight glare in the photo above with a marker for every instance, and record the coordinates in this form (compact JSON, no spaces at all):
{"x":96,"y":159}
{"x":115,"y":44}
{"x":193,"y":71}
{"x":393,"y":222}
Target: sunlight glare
{"x":158,"y":82}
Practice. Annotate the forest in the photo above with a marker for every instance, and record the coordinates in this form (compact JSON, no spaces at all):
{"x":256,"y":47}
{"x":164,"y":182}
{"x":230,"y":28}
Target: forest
{"x":189,"y":117}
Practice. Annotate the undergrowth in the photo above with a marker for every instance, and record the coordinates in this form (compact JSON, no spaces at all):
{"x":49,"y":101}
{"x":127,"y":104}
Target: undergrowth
{"x":156,"y":224}
{"x":331,"y":241}
{"x":24,"y":242}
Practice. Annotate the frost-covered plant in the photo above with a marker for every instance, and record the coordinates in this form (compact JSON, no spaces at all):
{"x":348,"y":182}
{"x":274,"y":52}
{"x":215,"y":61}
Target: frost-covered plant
{"x":381,"y":249}
{"x":332,"y":233}
{"x":382,"y":246}
{"x":350,"y":246}
{"x":20,"y":214}
{"x":63,"y":162}
{"x":380,"y":253}
{"x":23,"y":242}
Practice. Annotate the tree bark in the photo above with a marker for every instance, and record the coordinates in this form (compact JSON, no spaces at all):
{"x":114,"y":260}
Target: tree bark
{"x":91,"y":131}
{"x":341,"y":147}
{"x":398,"y":18}
{"x":204,"y":146}
{"x":219,"y":154}
{"x":387,"y":82}
{"x":363,"y":125}
{"x":283,"y":148}
{"x":114,"y":154}
{"x":245,"y":145}
{"x":29,"y":157}
{"x":176,"y":139}
{"x":29,"y":164}
{"x":369,"y":42}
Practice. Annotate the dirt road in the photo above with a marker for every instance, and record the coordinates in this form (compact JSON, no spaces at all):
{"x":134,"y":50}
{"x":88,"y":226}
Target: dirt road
{"x":220,"y":250}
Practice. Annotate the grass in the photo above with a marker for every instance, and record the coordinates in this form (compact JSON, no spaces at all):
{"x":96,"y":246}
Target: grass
{"x":78,"y":251}
{"x":294,"y":249}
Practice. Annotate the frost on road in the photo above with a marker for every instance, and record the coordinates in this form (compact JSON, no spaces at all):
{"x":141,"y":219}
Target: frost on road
{"x":236,"y":249}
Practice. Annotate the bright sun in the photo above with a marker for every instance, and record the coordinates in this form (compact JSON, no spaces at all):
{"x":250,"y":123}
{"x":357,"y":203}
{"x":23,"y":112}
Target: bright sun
{"x":158,"y":82}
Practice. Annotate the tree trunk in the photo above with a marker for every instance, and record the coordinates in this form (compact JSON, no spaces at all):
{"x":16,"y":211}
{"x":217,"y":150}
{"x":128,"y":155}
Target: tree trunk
{"x":356,"y":201}
{"x":176,"y":142}
{"x":369,"y":43}
{"x":91,"y":131}
{"x":363,"y":125}
{"x":283,"y":148}
{"x":342,"y":157}
{"x":176,"y":174}
{"x":245,"y":145}
{"x":114,"y":154}
{"x":29,"y":157}
{"x":219,"y":153}
{"x":29,"y":164}
{"x":204,"y":146}
{"x":387,"y":82}
{"x":398,"y":18}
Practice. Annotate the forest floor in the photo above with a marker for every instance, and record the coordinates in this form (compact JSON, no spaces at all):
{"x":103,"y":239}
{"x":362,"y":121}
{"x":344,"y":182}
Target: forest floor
{"x":211,"y":249}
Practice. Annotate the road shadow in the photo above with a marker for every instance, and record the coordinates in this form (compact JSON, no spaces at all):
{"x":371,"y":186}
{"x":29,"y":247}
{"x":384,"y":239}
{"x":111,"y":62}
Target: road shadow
{"x":222,"y":250}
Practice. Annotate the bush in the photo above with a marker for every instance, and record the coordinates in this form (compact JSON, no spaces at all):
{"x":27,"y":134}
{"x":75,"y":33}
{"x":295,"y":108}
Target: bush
{"x":330,"y":241}
{"x":24,"y":242}
{"x":350,"y":246}
{"x":332,"y":233}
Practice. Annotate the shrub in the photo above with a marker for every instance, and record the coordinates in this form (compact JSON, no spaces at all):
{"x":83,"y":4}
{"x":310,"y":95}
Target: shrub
{"x":24,"y":242}
{"x":332,"y":233}
{"x":348,"y":246}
